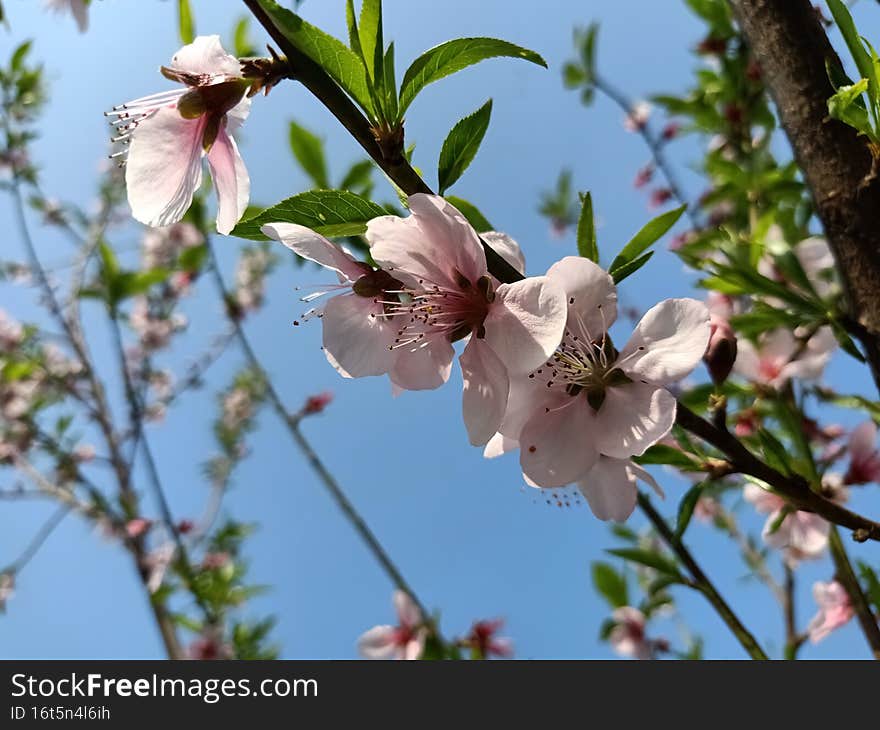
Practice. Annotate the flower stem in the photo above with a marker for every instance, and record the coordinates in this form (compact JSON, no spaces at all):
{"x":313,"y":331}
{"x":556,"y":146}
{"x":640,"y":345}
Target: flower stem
{"x":700,"y":581}
{"x":848,"y":579}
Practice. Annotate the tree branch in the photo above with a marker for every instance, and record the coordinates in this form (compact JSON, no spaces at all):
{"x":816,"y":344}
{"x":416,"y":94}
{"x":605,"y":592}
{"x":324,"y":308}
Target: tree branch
{"x":792,"y":49}
{"x":701,"y":581}
{"x":794,"y":488}
{"x":847,"y":578}
{"x":327,"y":91}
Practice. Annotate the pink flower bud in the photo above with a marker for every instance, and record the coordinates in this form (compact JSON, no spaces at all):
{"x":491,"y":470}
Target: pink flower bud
{"x":643,"y":176}
{"x":670,"y":131}
{"x":721,"y":352}
{"x":137,"y":527}
{"x":660,"y":196}
{"x":317,"y":403}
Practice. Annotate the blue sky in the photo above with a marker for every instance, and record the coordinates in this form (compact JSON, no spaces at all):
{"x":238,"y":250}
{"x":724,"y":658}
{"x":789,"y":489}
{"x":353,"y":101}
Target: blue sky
{"x":471,"y":540}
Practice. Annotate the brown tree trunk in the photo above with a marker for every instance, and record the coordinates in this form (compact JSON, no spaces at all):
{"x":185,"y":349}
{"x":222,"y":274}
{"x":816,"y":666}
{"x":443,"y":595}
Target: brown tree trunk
{"x":792,"y":49}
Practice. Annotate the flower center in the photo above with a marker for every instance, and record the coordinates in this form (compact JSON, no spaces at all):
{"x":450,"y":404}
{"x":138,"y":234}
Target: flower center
{"x":441,"y":311}
{"x":583,"y":368}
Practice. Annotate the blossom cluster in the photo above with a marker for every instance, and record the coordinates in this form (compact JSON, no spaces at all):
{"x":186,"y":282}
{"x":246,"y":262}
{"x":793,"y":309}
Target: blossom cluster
{"x":539,"y":368}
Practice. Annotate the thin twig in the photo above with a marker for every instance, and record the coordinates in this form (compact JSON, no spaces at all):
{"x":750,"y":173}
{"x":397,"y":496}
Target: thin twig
{"x":292,"y":422}
{"x":654,"y":144}
{"x":38,"y":540}
{"x":794,"y":488}
{"x":700,"y":581}
{"x":848,"y":579}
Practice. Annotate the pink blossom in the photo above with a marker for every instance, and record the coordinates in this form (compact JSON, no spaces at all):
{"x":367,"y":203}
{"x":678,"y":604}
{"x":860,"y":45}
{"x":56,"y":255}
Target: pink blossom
{"x":589,"y":399}
{"x":160,"y":247}
{"x":780,"y":356}
{"x":449,"y":295}
{"x":215,"y":561}
{"x":78,"y":8}
{"x":637,"y":118}
{"x":433,"y":288}
{"x":7,"y":588}
{"x":156,"y":563}
{"x":83,"y":453}
{"x":210,"y":646}
{"x":802,"y":535}
{"x":864,"y":464}
{"x":154,"y":330}
{"x":483,"y":640}
{"x":137,"y":527}
{"x":358,"y":336}
{"x":404,"y":641}
{"x":610,"y":487}
{"x":169,"y":133}
{"x":628,"y":638}
{"x":835,"y":609}
{"x":11,"y":332}
{"x":250,"y":278}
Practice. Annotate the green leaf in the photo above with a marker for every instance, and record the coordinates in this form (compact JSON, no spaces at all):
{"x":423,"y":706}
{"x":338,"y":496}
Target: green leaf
{"x":686,"y":508}
{"x":18,"y":55}
{"x":610,"y":584}
{"x":587,"y":43}
{"x":328,"y":212}
{"x":872,"y":584}
{"x":309,"y":152}
{"x":472,"y":213}
{"x":774,"y":452}
{"x":668,"y":455}
{"x":654,"y":560}
{"x":185,"y":21}
{"x":586,"y":230}
{"x":649,"y":234}
{"x":461,"y":145}
{"x":358,"y":177}
{"x":389,"y":87}
{"x":370,"y":34}
{"x":339,"y":61}
{"x":843,"y":106}
{"x":453,"y":56}
{"x":630,"y":267}
{"x":848,"y":30}
{"x":241,"y":41}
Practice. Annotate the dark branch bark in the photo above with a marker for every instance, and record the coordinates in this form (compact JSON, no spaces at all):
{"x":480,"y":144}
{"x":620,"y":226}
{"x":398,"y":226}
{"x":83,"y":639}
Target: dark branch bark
{"x":794,"y":488}
{"x":792,"y":49}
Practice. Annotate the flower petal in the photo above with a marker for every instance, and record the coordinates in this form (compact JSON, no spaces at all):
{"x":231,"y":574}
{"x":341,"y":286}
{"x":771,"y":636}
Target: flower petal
{"x":435,"y":243}
{"x":863,"y":440}
{"x":499,"y":444}
{"x":668,"y":342}
{"x":164,"y":167}
{"x":507,"y":248}
{"x":632,"y":418}
{"x":231,"y":181}
{"x":360,"y":344}
{"x":486,"y":387}
{"x":408,"y":612}
{"x":526,"y":322}
{"x":314,"y":247}
{"x":610,"y":489}
{"x":423,"y":368}
{"x":378,"y":643}
{"x":205,"y":55}
{"x":556,"y":446}
{"x":594,"y":308}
